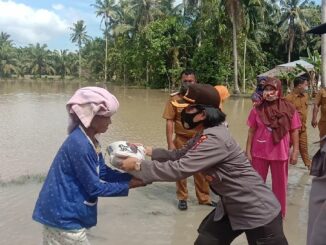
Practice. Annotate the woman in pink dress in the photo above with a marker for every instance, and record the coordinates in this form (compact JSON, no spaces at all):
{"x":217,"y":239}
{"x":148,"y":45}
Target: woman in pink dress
{"x":273,"y":128}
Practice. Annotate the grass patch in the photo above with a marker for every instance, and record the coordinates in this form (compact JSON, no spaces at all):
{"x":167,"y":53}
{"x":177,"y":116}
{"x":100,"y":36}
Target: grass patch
{"x":24,"y":179}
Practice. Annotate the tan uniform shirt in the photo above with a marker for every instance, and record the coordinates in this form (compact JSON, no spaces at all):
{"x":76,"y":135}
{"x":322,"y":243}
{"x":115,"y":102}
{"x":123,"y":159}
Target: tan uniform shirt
{"x":321,"y":101}
{"x":173,"y":113}
{"x":247,"y":201}
{"x":300,"y":101}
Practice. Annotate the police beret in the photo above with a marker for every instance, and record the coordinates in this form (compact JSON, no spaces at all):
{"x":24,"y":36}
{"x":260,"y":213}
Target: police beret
{"x":203,"y":94}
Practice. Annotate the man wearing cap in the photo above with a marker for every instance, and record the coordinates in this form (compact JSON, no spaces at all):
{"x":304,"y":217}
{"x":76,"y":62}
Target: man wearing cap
{"x":299,"y":98}
{"x":172,"y":114}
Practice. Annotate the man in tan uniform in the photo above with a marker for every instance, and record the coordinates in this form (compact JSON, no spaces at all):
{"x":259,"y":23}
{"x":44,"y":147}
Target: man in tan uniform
{"x":299,"y":98}
{"x":320,"y":101}
{"x":181,"y":136}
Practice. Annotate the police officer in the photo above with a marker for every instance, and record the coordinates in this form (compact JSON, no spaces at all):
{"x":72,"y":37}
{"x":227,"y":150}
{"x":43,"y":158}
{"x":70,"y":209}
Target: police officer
{"x":246,"y":203}
{"x":299,"y":98}
{"x":181,"y":136}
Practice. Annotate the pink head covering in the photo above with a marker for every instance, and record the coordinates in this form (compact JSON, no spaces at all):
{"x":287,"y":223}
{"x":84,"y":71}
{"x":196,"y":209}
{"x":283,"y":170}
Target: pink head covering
{"x":88,"y":102}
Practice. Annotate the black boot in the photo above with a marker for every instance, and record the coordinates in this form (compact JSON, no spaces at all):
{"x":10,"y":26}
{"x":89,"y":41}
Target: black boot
{"x":182,"y":205}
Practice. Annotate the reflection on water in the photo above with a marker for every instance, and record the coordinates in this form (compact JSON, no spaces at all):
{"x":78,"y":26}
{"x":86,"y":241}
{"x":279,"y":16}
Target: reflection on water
{"x":33,"y":126}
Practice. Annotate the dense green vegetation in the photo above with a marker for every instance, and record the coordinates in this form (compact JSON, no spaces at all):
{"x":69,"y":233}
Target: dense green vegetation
{"x":148,"y":42}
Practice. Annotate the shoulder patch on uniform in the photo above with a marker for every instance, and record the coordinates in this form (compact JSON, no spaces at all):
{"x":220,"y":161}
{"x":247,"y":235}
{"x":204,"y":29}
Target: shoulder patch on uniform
{"x":200,"y":140}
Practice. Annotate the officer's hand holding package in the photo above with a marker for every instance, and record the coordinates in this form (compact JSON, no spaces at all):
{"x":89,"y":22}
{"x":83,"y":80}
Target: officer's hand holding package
{"x":131,"y":163}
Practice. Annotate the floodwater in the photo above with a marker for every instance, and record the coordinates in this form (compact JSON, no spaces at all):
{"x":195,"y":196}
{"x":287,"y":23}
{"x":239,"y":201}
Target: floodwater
{"x":32,"y":127}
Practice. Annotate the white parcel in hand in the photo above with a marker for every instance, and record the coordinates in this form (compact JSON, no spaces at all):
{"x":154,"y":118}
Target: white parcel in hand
{"x":121,"y":149}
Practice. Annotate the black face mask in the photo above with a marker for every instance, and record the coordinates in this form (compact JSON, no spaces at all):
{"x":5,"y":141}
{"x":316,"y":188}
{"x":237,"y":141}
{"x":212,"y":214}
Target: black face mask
{"x":187,"y":119}
{"x":183,"y":88}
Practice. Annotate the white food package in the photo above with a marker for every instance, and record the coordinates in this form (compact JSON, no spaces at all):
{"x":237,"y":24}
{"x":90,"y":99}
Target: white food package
{"x":121,"y":149}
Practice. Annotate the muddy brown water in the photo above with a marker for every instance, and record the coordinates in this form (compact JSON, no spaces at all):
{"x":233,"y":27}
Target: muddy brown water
{"x":32,"y":127}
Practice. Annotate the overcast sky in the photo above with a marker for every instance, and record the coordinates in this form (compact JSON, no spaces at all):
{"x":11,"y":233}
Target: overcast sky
{"x":48,"y":21}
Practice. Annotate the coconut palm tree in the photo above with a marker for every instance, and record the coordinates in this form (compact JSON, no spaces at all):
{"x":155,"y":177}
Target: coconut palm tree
{"x":107,"y":9}
{"x":80,"y":37}
{"x":94,"y":56}
{"x":235,"y":11}
{"x":125,"y":19}
{"x":146,"y":11}
{"x":62,"y":62}
{"x":190,"y":5}
{"x":8,"y":60}
{"x":293,"y":20}
{"x":241,"y":14}
{"x":23,"y":61}
{"x":253,"y":17}
{"x":5,"y":38}
{"x":39,"y":60}
{"x":8,"y":56}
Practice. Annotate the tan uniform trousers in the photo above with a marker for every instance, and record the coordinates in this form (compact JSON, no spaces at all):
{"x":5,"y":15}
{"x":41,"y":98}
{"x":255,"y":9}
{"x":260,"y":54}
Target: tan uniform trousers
{"x":303,"y":147}
{"x":201,"y":185}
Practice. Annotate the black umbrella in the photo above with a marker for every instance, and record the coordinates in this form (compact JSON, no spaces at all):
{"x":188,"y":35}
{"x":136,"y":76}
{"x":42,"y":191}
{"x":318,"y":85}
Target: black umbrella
{"x":321,"y":29}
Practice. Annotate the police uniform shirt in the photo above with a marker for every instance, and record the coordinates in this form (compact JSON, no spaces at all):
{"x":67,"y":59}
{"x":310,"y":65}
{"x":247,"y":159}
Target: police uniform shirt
{"x":247,"y":201}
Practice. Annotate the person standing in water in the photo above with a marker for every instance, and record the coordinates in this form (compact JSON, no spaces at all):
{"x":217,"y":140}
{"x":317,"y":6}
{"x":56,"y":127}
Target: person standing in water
{"x":273,"y":125}
{"x":67,"y":203}
{"x":299,"y":98}
{"x":177,"y":136}
{"x":257,"y":96}
{"x":246,"y":204}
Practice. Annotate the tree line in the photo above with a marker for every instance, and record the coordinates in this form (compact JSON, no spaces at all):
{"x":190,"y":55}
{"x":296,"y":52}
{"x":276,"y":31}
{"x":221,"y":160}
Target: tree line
{"x":148,"y":42}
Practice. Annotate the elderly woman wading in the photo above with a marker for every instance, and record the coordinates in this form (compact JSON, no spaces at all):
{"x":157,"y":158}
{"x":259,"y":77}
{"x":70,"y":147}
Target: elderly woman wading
{"x":67,"y":203}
